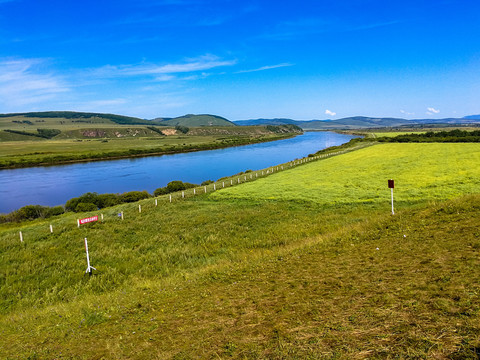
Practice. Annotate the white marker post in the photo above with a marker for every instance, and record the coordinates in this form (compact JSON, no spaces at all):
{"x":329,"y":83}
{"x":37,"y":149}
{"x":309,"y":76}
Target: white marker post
{"x":89,"y":268}
{"x":214,"y":187}
{"x":156,"y":202}
{"x":183,"y":194}
{"x":21,"y":237}
{"x":121,"y":214}
{"x":139,"y":208}
{"x":391,"y":185}
{"x":223,"y":184}
{"x":170,"y":198}
{"x":205,"y":188}
{"x":194,"y":192}
{"x":51,"y":228}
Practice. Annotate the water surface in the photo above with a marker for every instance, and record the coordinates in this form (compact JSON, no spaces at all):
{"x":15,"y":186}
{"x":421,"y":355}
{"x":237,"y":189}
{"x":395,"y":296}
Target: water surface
{"x":54,"y":185}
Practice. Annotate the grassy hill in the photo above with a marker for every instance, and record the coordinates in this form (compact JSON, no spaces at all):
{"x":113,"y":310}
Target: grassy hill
{"x":274,"y":268}
{"x":75,"y":117}
{"x":197,"y":120}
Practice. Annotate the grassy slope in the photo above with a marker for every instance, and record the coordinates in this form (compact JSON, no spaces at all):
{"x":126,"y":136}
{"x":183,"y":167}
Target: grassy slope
{"x":251,"y":278}
{"x":421,"y":172}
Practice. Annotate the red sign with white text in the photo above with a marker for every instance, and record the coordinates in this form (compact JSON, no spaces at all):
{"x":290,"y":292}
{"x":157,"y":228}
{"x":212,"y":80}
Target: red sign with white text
{"x":89,"y":219}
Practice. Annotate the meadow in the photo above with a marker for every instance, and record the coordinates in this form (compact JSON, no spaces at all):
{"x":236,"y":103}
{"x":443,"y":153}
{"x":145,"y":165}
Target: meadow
{"x":304,"y":263}
{"x":422,"y":172}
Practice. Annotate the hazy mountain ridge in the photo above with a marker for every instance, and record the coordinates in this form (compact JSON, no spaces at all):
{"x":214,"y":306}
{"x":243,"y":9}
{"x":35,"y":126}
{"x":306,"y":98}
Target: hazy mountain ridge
{"x":357,"y":122}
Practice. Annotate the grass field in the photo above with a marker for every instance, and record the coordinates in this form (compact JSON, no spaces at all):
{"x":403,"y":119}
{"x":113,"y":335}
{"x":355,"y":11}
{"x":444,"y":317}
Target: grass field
{"x":247,"y":273}
{"x":421,"y":172}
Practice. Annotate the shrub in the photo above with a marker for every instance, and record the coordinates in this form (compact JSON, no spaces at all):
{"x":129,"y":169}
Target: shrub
{"x":133,"y":196}
{"x":173,"y":186}
{"x":54,"y":211}
{"x":107,"y":200}
{"x":90,"y":197}
{"x":207,"y":182}
{"x":83,"y":207}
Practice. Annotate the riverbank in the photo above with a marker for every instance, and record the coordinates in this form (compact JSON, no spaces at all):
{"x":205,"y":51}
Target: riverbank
{"x":263,"y":269}
{"x":67,"y":151}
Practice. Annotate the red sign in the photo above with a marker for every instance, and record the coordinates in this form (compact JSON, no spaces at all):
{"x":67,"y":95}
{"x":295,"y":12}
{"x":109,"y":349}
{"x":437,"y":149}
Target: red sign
{"x":89,"y":219}
{"x":391,"y":184}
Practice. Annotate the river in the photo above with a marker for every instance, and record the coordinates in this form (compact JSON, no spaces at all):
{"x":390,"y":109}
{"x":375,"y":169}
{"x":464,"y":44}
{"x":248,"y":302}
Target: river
{"x":54,"y":185}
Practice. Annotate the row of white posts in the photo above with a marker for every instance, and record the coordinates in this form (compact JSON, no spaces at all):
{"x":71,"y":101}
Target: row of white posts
{"x":296,"y":162}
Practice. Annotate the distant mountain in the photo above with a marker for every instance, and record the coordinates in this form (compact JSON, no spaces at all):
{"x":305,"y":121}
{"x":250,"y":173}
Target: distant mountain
{"x":191,"y":120}
{"x":74,"y":115}
{"x":472,"y":117}
{"x":358,"y":122}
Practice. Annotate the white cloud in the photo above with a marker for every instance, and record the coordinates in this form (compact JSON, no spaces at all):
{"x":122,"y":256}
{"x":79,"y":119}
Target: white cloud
{"x":268,"y":67}
{"x":205,"y":62}
{"x":24,"y":82}
{"x":406,"y":112}
{"x":432,"y":111}
{"x":330,"y":113}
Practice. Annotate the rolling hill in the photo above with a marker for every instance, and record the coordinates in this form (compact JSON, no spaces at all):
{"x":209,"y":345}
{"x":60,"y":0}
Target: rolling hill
{"x":192,"y":120}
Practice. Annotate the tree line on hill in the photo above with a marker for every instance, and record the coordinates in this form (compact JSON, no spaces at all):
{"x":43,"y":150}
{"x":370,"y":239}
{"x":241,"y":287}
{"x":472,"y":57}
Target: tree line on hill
{"x":439,"y":136}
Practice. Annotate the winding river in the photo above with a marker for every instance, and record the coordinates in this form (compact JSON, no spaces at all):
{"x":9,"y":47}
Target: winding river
{"x":54,"y":185}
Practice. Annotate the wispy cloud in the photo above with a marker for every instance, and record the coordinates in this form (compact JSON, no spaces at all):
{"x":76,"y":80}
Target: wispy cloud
{"x":162,"y":72}
{"x":406,"y":112}
{"x":330,"y":113}
{"x":432,"y":111}
{"x":24,"y":82}
{"x":268,"y":67}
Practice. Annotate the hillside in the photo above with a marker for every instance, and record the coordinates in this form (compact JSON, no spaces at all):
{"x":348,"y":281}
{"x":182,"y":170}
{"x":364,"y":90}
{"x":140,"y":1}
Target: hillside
{"x":196,"y":120}
{"x":73,"y":116}
{"x":262,"y":269}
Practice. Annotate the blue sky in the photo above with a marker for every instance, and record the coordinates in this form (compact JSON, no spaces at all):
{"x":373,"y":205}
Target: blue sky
{"x":242,"y":59}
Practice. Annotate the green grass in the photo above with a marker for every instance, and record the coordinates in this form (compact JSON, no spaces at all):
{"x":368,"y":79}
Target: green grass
{"x":238,"y":274}
{"x":421,"y":172}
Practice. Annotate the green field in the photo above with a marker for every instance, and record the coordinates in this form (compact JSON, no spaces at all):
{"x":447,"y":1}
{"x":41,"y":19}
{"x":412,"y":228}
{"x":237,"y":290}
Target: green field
{"x":306,"y":263}
{"x":422,"y":172}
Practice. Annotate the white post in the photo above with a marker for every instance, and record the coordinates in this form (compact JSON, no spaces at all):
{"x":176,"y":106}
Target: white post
{"x":238,"y":180}
{"x":205,"y":188}
{"x":156,"y":202}
{"x":102,"y":217}
{"x":393,"y":213}
{"x":256,"y":175}
{"x":250,"y":176}
{"x":51,"y":228}
{"x":170,"y":198}
{"x":139,"y":208}
{"x":231,"y":181}
{"x":121,"y":214}
{"x":223,"y":183}
{"x":78,"y":222}
{"x":194,"y":192}
{"x":183,"y":194}
{"x":245,"y":177}
{"x":214,"y":187}
{"x":89,"y":268}
{"x":21,"y":237}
